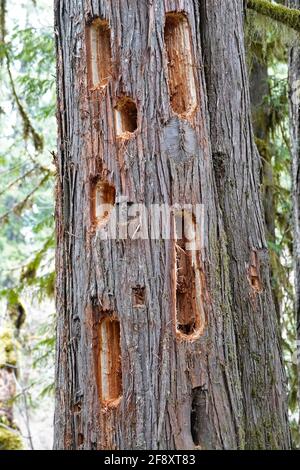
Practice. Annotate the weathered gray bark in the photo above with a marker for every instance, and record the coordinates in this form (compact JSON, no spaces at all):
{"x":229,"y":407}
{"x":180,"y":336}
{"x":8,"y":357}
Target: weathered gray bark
{"x":259,"y":90}
{"x":225,"y":388}
{"x":294,"y":82}
{"x":237,"y":171}
{"x":261,"y":121}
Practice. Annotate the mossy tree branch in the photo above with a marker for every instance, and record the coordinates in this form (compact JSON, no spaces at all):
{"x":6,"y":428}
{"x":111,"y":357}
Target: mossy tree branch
{"x":27,"y":125}
{"x":2,"y":19}
{"x":17,"y":208}
{"x":37,"y":139}
{"x":288,"y":16}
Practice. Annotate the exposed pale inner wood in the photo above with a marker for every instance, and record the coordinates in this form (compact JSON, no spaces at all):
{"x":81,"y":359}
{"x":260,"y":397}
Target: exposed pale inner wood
{"x":189,"y":309}
{"x":181,"y":64}
{"x":126,"y":116}
{"x":110,"y":360}
{"x":100,"y":50}
{"x":103,"y":201}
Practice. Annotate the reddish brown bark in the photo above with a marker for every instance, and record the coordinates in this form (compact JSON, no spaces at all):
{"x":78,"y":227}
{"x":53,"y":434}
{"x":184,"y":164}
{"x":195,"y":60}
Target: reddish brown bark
{"x":217,"y":381}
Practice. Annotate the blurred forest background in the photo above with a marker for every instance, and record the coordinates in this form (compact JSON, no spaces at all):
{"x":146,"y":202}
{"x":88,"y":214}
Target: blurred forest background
{"x":27,"y":177}
{"x":27,"y":186}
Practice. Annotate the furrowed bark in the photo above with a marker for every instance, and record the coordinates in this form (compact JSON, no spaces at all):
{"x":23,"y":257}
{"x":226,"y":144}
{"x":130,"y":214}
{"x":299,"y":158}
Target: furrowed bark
{"x":294,"y":84}
{"x":260,"y":111}
{"x":131,"y":374}
{"x":236,"y":163}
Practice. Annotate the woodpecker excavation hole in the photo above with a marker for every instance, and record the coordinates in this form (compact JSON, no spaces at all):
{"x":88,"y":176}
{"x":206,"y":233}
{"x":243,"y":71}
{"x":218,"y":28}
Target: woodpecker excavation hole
{"x":126,"y":117}
{"x":138,"y":296}
{"x":77,"y":408}
{"x":181,"y":64}
{"x":99,"y":53}
{"x":254,"y":273}
{"x":103,"y":200}
{"x":198,"y":414}
{"x":110,"y":364}
{"x":189,"y":309}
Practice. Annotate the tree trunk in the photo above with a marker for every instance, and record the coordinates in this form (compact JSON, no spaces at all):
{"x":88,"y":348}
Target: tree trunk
{"x":237,"y":173}
{"x":162,"y":343}
{"x":10,"y":438}
{"x":294,"y":82}
{"x":260,"y":110}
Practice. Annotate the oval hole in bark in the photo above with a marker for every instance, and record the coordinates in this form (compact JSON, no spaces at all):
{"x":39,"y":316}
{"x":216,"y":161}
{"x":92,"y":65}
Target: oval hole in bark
{"x":103,"y":200}
{"x":198,"y":415}
{"x":189,"y":308}
{"x":110,"y":361}
{"x":178,"y":44}
{"x":99,"y":53}
{"x":125,"y":117}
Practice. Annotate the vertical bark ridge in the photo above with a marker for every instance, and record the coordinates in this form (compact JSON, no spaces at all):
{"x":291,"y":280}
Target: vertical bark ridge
{"x":236,"y":163}
{"x":166,"y":160}
{"x":294,"y":84}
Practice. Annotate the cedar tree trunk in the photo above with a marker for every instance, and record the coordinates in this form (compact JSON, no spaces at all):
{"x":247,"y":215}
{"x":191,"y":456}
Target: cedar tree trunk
{"x":161,"y":346}
{"x":294,"y":82}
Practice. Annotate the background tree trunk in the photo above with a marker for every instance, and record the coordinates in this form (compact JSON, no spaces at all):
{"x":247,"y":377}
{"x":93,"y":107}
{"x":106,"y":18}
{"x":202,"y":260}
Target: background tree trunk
{"x":219,"y":384}
{"x":237,"y":172}
{"x":294,"y":82}
{"x":261,"y":120}
{"x":10,"y":438}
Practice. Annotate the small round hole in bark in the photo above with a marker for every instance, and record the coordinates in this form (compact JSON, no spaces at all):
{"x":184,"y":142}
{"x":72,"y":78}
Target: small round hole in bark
{"x":126,"y":117}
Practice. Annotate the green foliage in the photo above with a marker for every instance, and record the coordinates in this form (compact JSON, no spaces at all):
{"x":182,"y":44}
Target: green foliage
{"x":287,"y":16}
{"x":26,"y":192}
{"x":28,"y":138}
{"x":267,"y":41}
{"x":10,"y":439}
{"x":8,"y":348}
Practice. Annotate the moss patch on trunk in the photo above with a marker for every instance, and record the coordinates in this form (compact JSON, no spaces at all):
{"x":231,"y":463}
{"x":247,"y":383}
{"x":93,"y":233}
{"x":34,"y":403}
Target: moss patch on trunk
{"x":8,"y":356}
{"x":9,"y":439}
{"x":287,"y":16}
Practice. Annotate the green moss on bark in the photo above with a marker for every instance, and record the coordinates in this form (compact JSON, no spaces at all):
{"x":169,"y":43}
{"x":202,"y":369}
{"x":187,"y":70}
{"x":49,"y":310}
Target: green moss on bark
{"x":287,"y":16}
{"x":10,"y":440}
{"x":8,"y":355}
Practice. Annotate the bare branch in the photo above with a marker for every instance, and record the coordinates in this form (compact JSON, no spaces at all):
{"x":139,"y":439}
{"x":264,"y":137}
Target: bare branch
{"x":20,"y":205}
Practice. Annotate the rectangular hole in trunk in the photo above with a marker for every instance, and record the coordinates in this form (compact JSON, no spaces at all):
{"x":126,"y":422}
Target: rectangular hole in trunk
{"x":189,"y":308}
{"x":99,"y":53}
{"x":125,"y":117}
{"x":109,"y":363}
{"x":181,"y":64}
{"x":103,"y":198}
{"x":198,"y":415}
